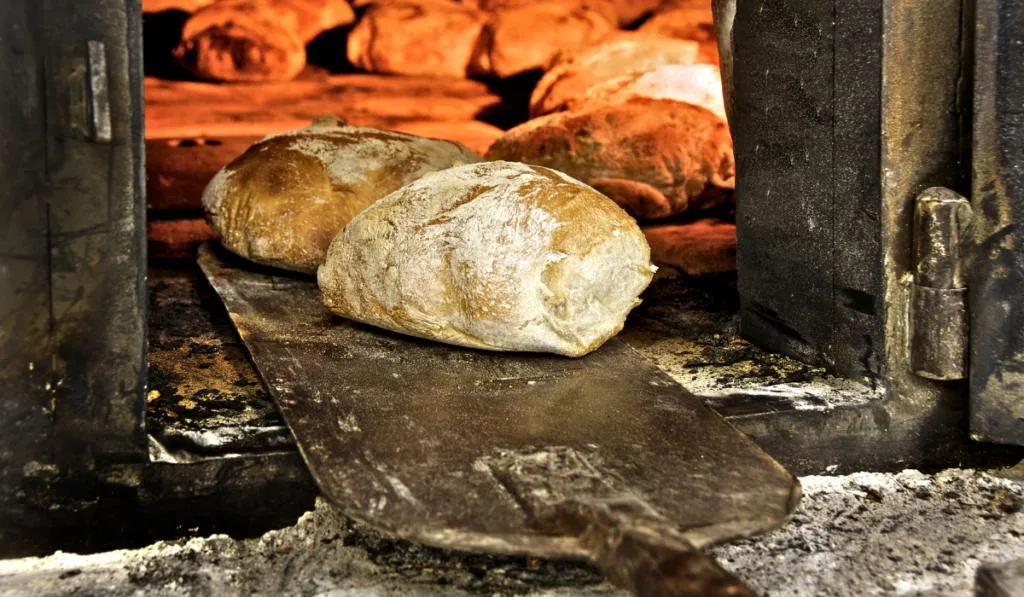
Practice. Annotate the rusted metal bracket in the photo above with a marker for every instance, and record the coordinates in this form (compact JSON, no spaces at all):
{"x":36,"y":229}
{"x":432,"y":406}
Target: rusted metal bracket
{"x":938,"y":309}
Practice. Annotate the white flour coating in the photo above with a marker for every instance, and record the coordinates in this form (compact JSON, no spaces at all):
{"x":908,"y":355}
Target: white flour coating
{"x":623,"y":54}
{"x":351,"y":163}
{"x":641,"y":47}
{"x":376,"y":150}
{"x":214,"y":192}
{"x":697,"y":84}
{"x":488,"y":255}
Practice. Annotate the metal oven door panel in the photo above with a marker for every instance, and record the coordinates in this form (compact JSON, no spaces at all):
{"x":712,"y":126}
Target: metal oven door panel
{"x":996,"y":273}
{"x":72,"y":235}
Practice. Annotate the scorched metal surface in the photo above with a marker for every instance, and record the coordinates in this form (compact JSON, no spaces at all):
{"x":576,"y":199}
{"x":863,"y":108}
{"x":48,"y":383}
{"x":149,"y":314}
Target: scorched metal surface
{"x":602,"y":458}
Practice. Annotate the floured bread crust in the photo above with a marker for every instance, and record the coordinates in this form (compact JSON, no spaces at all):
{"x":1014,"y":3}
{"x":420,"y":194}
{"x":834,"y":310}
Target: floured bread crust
{"x":282,"y":201}
{"x":568,"y":81}
{"x":697,"y":84}
{"x":653,"y":157}
{"x":494,"y":255}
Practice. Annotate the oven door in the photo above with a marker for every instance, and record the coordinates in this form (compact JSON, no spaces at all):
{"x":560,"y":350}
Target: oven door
{"x":996,"y":269}
{"x":856,"y":126}
{"x":72,"y":233}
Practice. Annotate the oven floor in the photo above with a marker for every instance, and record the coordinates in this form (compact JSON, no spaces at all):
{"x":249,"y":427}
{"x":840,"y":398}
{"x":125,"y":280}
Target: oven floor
{"x":861,"y":534}
{"x":206,"y":399}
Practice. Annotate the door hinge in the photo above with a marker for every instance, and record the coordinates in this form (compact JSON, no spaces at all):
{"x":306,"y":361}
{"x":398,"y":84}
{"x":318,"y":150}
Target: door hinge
{"x":938,"y":296}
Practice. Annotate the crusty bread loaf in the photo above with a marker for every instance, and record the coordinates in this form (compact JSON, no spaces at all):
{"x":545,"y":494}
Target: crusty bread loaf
{"x":701,"y":247}
{"x":416,"y":37}
{"x":697,"y":84}
{"x":256,"y":40}
{"x":567,"y":82}
{"x":690,"y":20}
{"x":655,"y":158}
{"x":281,"y":202}
{"x":631,"y":11}
{"x":495,"y":255}
{"x":518,"y":39}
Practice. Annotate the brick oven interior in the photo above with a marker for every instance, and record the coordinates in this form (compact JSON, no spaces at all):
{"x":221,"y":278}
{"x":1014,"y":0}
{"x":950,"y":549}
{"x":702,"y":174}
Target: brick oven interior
{"x":241,"y":515}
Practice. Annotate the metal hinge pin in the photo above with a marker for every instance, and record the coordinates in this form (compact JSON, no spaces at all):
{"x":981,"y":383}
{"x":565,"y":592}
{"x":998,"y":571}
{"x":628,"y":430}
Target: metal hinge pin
{"x":938,"y":298}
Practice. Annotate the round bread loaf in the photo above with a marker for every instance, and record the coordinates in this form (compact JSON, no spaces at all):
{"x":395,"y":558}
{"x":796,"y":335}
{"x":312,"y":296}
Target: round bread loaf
{"x":282,"y":201}
{"x":691,"y":20}
{"x":494,"y":255}
{"x":653,"y":157}
{"x":256,"y":40}
{"x":567,"y":82}
{"x":416,"y":37}
{"x":518,"y":39}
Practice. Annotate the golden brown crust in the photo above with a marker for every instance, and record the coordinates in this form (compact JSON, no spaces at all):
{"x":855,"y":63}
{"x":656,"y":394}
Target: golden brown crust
{"x":693,"y":21}
{"x":282,"y":201}
{"x":566,"y":84}
{"x":416,"y":37}
{"x":256,"y":40}
{"x":698,"y":248}
{"x":655,"y":158}
{"x":522,"y":38}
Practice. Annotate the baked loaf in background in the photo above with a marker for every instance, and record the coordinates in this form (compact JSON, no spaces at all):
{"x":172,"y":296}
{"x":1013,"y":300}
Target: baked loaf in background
{"x":518,"y":39}
{"x":566,"y":84}
{"x":697,"y":84}
{"x":494,"y":255}
{"x":653,"y":157}
{"x":282,"y":201}
{"x":256,"y":40}
{"x":182,"y":5}
{"x":416,"y":37}
{"x":692,"y":20}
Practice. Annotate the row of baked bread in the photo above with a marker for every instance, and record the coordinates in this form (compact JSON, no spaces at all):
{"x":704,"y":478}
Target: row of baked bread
{"x":420,"y":237}
{"x":637,"y":117}
{"x":264,"y":40}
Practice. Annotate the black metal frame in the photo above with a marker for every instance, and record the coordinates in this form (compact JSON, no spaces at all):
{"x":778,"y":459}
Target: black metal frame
{"x":996,"y":282}
{"x":76,"y":472}
{"x":844,"y":113}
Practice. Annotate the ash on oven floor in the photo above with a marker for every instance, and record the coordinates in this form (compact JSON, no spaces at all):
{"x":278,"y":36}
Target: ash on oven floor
{"x":206,"y":399}
{"x":860,"y":534}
